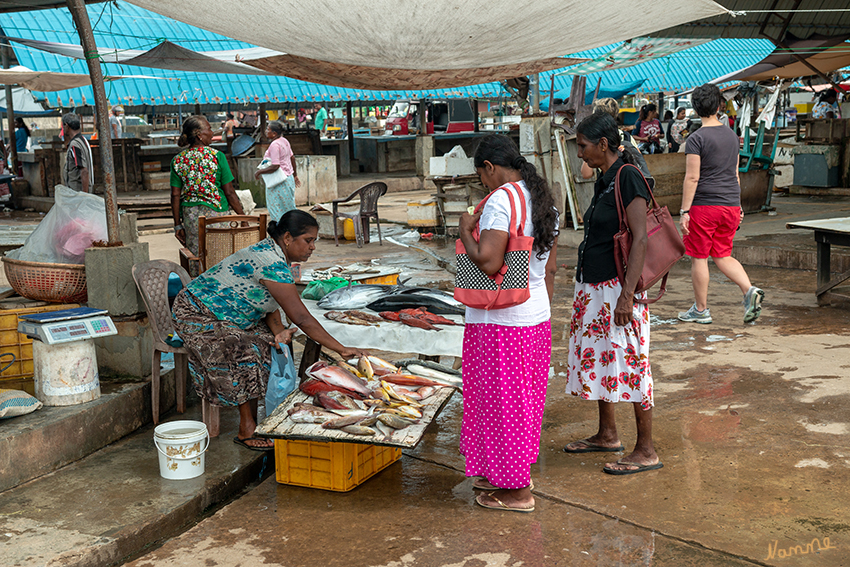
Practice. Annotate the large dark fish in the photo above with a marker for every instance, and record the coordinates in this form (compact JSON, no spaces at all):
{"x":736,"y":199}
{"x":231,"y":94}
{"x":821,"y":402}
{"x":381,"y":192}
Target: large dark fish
{"x":359,"y":296}
{"x":414,"y":300}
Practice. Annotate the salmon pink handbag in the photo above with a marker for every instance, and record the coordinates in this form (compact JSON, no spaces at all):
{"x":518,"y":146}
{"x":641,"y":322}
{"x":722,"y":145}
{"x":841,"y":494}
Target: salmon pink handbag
{"x":509,"y":286}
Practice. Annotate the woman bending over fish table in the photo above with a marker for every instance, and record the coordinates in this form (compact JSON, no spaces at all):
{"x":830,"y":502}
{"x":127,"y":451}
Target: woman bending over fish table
{"x":228,"y":318}
{"x":506,"y":352}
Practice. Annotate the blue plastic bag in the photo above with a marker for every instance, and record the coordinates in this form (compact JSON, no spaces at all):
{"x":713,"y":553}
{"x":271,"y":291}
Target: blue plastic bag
{"x":282,"y":380}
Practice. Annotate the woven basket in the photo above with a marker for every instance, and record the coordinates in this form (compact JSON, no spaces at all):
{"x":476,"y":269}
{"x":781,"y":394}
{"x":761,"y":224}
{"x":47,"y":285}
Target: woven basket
{"x":58,"y":283}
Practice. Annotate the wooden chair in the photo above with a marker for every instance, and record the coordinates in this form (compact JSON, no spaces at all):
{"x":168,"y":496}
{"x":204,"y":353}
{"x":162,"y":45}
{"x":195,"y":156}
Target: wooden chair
{"x":219,"y":237}
{"x":152,"y":280}
{"x":368,"y":195}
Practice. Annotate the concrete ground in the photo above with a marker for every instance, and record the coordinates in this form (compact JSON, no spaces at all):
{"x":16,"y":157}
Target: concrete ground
{"x":751,"y":423}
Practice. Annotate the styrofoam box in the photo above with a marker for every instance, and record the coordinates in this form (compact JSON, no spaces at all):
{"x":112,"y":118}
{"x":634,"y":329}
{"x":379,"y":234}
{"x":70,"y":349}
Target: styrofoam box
{"x":448,"y":166}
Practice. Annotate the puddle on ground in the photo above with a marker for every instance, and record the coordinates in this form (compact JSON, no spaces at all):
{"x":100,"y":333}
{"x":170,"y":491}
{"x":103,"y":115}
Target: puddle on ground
{"x":655,"y":320}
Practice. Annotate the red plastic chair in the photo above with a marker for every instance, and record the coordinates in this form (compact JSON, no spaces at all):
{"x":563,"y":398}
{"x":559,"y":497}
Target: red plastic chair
{"x":368,"y":195}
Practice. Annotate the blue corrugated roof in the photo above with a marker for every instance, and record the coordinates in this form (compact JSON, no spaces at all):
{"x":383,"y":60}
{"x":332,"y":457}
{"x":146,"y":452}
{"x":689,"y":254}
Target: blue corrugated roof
{"x":126,"y":26}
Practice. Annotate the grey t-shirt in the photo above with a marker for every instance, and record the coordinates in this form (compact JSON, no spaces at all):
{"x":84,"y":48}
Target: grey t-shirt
{"x":717,"y":148}
{"x":115,"y":125}
{"x":77,"y":159}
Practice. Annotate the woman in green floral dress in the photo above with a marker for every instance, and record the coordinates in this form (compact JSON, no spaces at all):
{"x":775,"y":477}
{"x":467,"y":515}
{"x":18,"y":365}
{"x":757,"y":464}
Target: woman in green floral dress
{"x":201,"y":183}
{"x":229,"y":317}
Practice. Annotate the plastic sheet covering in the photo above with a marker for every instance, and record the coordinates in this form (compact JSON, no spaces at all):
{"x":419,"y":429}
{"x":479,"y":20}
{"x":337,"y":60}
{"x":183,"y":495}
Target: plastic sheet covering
{"x":391,"y":336}
{"x":443,"y":43}
{"x":75,"y":221}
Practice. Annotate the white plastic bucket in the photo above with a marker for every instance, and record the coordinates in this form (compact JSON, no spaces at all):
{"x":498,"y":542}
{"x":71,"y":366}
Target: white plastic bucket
{"x":181,"y":446}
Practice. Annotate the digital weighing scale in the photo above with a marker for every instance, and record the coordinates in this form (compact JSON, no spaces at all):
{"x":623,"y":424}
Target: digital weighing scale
{"x":64,"y":358}
{"x":67,"y":325}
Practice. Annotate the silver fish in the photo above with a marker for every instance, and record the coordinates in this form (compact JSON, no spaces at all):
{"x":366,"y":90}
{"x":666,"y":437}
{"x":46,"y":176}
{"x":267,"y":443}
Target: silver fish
{"x":344,"y":421}
{"x":419,"y":370}
{"x":358,"y":430}
{"x":354,"y":296}
{"x":304,"y":416}
{"x":395,"y":421}
{"x":385,"y":430}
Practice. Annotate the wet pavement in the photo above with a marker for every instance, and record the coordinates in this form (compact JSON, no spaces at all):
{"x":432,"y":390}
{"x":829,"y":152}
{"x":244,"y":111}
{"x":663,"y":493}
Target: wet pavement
{"x":752,"y":423}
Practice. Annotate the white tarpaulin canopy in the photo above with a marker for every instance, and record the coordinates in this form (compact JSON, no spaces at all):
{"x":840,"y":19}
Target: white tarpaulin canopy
{"x":413,"y":44}
{"x":41,"y":80}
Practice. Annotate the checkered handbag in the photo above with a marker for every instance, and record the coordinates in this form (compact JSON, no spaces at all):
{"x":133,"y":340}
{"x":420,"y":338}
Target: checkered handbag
{"x":509,"y":286}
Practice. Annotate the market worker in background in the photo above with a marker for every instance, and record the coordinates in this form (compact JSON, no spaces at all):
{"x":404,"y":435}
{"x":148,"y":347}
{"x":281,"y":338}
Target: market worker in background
{"x":115,"y":122}
{"x":320,"y":121}
{"x":648,"y":130}
{"x":229,"y":318}
{"x":827,"y":106}
{"x":280,"y":198}
{"x":506,"y":352}
{"x":77,"y":173}
{"x":201,"y":183}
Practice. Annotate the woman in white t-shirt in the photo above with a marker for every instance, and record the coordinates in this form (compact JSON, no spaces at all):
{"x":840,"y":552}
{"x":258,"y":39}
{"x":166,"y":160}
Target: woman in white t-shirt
{"x":506,"y":352}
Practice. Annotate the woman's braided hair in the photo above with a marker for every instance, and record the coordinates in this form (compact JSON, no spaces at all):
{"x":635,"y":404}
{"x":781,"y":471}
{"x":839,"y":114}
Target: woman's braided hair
{"x":499,"y":149}
{"x":192,"y":127}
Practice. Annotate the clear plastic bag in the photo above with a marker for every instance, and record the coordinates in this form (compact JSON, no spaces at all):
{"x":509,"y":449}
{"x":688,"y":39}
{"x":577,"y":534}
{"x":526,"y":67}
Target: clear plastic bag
{"x":75,"y":221}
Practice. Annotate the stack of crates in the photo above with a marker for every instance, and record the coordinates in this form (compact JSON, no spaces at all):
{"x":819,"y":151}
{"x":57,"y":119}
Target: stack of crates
{"x":333,"y":466}
{"x":19,"y":374}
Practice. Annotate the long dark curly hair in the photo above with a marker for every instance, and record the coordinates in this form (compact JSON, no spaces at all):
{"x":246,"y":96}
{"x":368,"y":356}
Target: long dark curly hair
{"x":499,"y":149}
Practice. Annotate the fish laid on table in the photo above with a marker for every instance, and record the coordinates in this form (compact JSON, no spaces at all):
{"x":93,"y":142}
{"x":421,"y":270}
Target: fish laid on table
{"x":363,"y":315}
{"x":306,"y":413}
{"x":341,"y":317}
{"x":438,"y":295}
{"x":312,"y":387}
{"x":358,"y":430}
{"x":353,"y":296}
{"x":395,"y":421}
{"x":428,"y":364}
{"x":412,"y":321}
{"x":335,"y":400}
{"x":414,"y":300}
{"x":411,"y":380}
{"x":418,"y":369}
{"x":426,"y":315}
{"x":338,"y":377}
{"x":390,"y":315}
{"x":345,"y":420}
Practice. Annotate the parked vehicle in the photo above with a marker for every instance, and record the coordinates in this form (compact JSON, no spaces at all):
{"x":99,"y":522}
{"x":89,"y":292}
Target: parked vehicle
{"x":442,"y":116}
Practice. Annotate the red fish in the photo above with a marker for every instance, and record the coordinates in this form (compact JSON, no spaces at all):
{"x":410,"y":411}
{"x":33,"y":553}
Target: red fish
{"x":436,"y":319}
{"x":313,"y":386}
{"x":389,"y":315}
{"x":412,"y":321}
{"x":328,"y":402}
{"x":339,"y":377}
{"x":411,"y":380}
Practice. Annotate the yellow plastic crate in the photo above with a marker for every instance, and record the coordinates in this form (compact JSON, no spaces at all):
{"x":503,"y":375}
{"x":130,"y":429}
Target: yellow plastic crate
{"x":330,"y":466}
{"x":19,"y":375}
{"x":391,"y":279}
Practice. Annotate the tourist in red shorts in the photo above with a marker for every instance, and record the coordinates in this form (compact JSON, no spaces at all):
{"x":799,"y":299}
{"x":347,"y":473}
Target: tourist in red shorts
{"x":711,"y":207}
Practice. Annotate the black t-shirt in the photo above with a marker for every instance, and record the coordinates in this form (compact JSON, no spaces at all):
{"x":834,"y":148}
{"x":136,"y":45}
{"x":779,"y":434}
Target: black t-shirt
{"x":601,"y":223}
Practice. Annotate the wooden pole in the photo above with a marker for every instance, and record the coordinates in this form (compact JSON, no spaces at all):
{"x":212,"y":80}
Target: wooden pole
{"x":104,"y":132}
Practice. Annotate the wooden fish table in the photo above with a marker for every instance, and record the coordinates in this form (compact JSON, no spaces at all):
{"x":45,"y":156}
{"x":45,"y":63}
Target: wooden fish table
{"x":279,"y":426}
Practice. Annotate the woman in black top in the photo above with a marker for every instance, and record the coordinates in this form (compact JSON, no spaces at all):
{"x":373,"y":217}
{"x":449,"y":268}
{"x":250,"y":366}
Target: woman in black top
{"x":609,"y":332}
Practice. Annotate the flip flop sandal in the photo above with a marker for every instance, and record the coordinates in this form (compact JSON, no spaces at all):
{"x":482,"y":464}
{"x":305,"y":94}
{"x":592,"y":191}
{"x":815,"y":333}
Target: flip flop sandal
{"x":591,"y":448}
{"x":640,"y":468}
{"x":501,"y":505}
{"x":242,"y":442}
{"x":484,"y":484}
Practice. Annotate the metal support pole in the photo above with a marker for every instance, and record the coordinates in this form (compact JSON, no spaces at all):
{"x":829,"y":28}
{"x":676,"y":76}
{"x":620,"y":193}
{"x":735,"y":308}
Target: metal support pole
{"x":349,"y":129}
{"x":10,"y":112}
{"x":535,"y":93}
{"x":104,"y":132}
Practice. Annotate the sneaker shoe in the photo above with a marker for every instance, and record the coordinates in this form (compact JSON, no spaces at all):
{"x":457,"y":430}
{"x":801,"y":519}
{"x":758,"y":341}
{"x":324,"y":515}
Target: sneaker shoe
{"x":693,"y":315}
{"x":752,"y":304}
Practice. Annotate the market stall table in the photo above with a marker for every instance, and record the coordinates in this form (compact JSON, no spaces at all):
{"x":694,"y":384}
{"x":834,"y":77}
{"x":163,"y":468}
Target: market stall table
{"x":278,"y":426}
{"x":827,"y":232}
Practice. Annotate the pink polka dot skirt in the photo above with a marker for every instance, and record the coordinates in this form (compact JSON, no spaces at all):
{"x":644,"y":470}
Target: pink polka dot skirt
{"x":505,"y":373}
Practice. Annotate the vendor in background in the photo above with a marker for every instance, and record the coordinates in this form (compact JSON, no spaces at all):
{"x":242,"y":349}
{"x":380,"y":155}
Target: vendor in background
{"x":647,"y":130}
{"x":280,"y":198}
{"x":827,"y":105}
{"x":676,"y":130}
{"x":229,"y":318}
{"x":78,"y":173}
{"x":320,"y":121}
{"x":301,"y":118}
{"x":22,"y":135}
{"x":115,"y":122}
{"x":610,"y":107}
{"x":201,"y":183}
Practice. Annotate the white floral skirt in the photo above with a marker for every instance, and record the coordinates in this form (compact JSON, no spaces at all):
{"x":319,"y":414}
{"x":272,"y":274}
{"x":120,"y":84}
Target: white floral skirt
{"x":608,"y":362}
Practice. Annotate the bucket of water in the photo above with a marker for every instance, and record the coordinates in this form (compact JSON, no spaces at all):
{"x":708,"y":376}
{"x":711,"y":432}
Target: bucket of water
{"x":181,"y":446}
